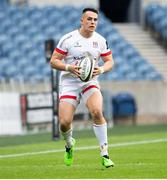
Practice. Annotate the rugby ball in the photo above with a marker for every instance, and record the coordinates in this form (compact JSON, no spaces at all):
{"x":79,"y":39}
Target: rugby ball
{"x":86,"y":65}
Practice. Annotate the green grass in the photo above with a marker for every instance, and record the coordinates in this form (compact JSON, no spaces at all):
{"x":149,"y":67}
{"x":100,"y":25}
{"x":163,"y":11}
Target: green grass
{"x":132,"y":161}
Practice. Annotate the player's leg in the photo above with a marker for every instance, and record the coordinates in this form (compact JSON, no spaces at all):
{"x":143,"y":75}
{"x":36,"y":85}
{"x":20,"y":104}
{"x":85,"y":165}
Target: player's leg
{"x":95,"y":106}
{"x":66,"y":113}
{"x":67,"y":105}
{"x":69,"y":99}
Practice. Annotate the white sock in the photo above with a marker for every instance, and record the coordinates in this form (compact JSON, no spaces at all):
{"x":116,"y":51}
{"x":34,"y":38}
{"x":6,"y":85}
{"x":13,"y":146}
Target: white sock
{"x":101,"y":134}
{"x":67,"y":137}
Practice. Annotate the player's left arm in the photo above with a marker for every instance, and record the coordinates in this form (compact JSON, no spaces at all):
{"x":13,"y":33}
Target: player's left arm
{"x":107,"y":66}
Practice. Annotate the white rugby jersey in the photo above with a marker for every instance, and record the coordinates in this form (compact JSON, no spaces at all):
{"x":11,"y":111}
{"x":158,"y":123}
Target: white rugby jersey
{"x":74,"y":45}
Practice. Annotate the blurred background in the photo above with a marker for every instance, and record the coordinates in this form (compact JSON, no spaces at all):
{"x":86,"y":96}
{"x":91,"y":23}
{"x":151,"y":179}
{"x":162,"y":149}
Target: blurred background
{"x":135,"y":91}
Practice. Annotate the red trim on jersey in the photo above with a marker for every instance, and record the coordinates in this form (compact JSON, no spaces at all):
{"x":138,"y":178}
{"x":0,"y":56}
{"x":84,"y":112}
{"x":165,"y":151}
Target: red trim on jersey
{"x":61,"y":51}
{"x":89,"y":87}
{"x":106,"y":54}
{"x":68,"y":97}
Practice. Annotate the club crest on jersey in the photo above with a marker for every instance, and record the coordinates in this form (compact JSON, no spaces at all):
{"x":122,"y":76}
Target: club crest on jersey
{"x":95,"y":44}
{"x":77,"y":44}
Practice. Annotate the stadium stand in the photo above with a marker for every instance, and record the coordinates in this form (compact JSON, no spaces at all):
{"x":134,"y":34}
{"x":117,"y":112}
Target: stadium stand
{"x":29,"y":26}
{"x":139,"y":63}
{"x":146,"y":45}
{"x":156,"y":19}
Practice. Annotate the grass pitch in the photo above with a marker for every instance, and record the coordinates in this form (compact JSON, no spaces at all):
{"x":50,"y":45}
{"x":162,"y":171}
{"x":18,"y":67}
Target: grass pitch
{"x":138,"y":152}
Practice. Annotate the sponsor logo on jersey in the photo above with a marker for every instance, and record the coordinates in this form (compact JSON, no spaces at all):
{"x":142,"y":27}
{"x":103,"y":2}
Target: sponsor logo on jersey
{"x":78,"y":57}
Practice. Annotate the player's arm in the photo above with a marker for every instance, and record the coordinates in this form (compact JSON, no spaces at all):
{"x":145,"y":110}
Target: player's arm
{"x":107,"y":66}
{"x":56,"y":63}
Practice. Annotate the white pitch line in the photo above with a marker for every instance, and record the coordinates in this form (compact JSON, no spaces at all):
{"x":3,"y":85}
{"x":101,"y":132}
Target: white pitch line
{"x":85,"y":148}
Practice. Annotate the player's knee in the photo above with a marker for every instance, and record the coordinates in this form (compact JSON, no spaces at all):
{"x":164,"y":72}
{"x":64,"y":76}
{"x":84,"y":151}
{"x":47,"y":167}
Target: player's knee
{"x":64,"y":122}
{"x":96,"y":114}
{"x":64,"y":126}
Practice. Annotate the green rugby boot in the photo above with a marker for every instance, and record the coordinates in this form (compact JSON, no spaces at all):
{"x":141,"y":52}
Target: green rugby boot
{"x":106,"y":162}
{"x":69,"y":154}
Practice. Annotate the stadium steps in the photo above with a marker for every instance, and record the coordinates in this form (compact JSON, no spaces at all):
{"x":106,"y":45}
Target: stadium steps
{"x":145,"y":44}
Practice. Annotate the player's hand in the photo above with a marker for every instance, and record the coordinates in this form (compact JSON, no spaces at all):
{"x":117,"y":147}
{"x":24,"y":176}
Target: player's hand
{"x":75,"y":70}
{"x":97,"y":71}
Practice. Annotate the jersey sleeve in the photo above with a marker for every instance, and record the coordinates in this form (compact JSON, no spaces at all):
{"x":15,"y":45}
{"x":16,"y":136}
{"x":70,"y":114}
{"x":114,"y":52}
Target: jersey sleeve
{"x":105,"y":50}
{"x":62,"y":46}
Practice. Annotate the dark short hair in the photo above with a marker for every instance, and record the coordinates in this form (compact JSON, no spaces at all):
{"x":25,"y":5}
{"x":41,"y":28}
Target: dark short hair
{"x":90,"y":9}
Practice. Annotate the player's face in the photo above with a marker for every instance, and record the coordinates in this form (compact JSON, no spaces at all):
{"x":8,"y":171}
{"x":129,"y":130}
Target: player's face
{"x":89,"y":21}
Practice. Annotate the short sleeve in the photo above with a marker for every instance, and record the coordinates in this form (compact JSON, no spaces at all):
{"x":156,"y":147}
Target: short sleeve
{"x":62,"y":46}
{"x":105,"y":50}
